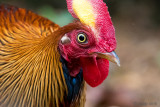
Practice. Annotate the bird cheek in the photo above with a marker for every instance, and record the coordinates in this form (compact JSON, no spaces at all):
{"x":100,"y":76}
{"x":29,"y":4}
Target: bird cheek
{"x":108,"y":45}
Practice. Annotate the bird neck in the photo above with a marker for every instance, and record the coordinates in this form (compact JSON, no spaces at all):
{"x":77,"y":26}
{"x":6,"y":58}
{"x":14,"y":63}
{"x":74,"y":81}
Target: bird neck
{"x":75,"y":85}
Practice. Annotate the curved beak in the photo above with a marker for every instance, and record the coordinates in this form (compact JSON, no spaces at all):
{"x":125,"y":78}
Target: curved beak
{"x":111,"y":56}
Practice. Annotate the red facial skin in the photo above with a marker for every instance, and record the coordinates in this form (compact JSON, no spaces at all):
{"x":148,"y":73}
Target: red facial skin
{"x":95,"y":70}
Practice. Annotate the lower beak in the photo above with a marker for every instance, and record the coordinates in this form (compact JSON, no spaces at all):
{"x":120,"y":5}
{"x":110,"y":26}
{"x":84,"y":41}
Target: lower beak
{"x":111,"y":56}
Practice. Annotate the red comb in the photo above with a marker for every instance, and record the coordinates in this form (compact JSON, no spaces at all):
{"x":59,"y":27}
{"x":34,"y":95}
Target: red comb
{"x":103,"y":23}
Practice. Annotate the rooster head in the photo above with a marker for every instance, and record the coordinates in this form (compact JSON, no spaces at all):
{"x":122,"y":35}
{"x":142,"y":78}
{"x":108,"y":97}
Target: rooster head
{"x":91,"y":42}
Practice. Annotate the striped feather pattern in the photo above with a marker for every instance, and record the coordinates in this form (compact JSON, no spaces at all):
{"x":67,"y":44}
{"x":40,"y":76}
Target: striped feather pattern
{"x":31,"y":74}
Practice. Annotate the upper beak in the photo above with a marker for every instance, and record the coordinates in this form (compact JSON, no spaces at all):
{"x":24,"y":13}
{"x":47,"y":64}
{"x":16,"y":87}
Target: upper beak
{"x":111,"y":56}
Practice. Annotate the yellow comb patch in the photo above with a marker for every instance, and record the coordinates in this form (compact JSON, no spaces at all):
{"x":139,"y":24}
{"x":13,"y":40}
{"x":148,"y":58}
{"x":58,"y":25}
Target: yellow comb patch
{"x":84,"y":10}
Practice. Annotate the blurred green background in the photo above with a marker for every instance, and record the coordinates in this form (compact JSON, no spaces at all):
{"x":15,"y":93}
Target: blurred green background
{"x":137,"y":22}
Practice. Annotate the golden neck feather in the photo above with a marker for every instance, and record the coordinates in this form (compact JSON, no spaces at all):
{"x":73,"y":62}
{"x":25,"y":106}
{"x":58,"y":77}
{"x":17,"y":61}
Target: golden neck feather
{"x":30,"y":69}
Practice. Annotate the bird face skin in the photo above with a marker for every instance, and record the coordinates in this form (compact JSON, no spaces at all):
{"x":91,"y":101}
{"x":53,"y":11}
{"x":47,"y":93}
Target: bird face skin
{"x":81,"y":49}
{"x":94,"y":53}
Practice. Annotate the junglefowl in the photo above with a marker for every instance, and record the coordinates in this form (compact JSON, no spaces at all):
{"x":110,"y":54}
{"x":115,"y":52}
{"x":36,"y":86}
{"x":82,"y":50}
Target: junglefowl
{"x":44,"y":65}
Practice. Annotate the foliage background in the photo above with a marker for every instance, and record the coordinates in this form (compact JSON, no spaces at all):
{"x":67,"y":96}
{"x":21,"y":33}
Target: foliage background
{"x":137,"y":22}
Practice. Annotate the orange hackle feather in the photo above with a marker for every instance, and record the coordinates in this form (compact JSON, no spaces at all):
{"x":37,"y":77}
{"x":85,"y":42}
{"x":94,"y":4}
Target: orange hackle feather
{"x":30,"y":69}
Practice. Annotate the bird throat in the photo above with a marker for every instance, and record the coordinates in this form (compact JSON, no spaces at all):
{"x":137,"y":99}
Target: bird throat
{"x":75,"y":84}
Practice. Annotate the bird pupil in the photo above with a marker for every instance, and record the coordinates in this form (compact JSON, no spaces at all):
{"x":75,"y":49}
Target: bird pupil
{"x":81,"y":38}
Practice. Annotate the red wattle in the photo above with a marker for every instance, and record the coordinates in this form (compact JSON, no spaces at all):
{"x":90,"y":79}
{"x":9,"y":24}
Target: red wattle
{"x":95,"y":70}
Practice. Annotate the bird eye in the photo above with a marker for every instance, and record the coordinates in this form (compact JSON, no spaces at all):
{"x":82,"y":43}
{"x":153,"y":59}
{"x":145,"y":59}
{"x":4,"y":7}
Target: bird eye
{"x":81,"y":38}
